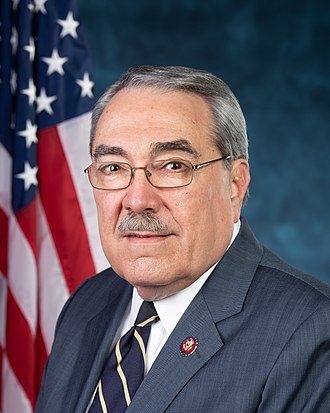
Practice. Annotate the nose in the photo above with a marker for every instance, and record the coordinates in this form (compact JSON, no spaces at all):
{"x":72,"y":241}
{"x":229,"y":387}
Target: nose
{"x":141,"y":195}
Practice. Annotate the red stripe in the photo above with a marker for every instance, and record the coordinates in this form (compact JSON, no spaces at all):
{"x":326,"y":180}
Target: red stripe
{"x":1,"y":385}
{"x":62,"y":209}
{"x":20,"y":348}
{"x":27,"y":220}
{"x":41,"y":354}
{"x":4,"y":224}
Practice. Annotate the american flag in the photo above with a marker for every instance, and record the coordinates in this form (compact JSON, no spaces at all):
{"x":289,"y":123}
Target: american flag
{"x":49,"y":242}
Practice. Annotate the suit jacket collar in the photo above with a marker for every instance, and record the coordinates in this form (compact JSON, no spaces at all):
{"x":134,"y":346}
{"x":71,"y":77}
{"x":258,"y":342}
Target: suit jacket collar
{"x":98,"y":336}
{"x":226,"y":289}
{"x":222,"y":296}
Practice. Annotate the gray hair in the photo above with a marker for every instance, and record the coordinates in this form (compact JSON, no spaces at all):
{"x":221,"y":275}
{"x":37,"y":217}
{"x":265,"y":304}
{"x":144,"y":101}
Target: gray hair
{"x":229,"y":128}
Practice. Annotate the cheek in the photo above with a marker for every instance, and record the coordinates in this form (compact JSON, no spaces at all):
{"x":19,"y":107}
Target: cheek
{"x":191,"y":214}
{"x":107,"y":211}
{"x":213,"y":214}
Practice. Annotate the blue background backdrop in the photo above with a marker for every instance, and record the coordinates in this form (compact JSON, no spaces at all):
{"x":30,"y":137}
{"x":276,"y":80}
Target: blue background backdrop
{"x":275,"y":57}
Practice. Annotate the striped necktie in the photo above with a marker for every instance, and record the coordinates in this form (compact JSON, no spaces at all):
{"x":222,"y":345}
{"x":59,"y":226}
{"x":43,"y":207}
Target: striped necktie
{"x":125,"y":368}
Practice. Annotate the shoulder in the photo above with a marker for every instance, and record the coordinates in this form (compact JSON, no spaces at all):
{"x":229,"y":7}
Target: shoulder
{"x":273,"y":268}
{"x":287,"y":296}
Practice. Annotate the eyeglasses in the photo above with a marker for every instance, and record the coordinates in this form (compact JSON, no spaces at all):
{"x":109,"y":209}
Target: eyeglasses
{"x":170,"y":173}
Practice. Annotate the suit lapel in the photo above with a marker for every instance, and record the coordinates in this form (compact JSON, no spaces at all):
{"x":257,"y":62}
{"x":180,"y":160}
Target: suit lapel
{"x":172,"y":370}
{"x":226,"y":289}
{"x":97,"y":339}
{"x":221,"y":297}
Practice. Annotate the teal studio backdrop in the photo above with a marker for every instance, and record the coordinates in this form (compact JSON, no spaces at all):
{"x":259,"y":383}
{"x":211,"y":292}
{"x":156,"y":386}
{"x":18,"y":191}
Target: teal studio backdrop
{"x":275,"y":55}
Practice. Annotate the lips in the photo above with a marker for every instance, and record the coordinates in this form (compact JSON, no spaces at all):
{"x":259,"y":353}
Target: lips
{"x":138,"y":235}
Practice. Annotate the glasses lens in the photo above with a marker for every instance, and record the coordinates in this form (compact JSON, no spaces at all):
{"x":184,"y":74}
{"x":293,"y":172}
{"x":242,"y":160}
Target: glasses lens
{"x":171,"y":173}
{"x":110,"y":175}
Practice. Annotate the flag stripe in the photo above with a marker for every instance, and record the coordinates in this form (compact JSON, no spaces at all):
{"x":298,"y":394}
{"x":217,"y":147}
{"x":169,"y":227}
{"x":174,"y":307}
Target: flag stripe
{"x":14,"y":398}
{"x":41,"y":357}
{"x":5,"y":168}
{"x":3,"y":310}
{"x":78,"y":158}
{"x":23,"y":283}
{"x":3,"y":313}
{"x":56,"y":189}
{"x":3,"y":316}
{"x":27,"y":221}
{"x":1,"y":369}
{"x":52,"y":286}
{"x":4,"y":224}
{"x":5,"y":181}
{"x":20,"y":347}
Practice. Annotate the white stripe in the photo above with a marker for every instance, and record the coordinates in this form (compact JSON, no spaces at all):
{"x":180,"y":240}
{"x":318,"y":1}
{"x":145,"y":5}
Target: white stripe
{"x":14,"y":398}
{"x":22,"y":273}
{"x":5,"y":200}
{"x":74,"y":136}
{"x":52,"y":286}
{"x":5,"y":180}
{"x":3,"y":310}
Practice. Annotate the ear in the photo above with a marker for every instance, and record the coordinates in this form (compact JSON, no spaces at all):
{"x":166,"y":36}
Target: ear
{"x":240,"y":179}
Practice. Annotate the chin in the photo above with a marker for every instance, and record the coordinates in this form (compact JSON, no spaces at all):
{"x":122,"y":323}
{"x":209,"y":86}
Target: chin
{"x":151,"y":293}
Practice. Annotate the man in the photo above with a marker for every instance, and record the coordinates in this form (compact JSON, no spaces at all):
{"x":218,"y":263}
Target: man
{"x":238,"y":330}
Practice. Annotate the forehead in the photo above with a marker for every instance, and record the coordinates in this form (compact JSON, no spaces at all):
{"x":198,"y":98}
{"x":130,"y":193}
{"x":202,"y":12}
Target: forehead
{"x":138,"y":118}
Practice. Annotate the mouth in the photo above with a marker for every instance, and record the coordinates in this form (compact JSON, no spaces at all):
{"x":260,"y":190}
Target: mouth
{"x":143,"y":235}
{"x":151,"y":237}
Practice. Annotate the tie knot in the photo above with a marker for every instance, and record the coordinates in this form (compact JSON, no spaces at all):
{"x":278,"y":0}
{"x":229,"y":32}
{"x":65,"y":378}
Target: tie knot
{"x":147,"y":314}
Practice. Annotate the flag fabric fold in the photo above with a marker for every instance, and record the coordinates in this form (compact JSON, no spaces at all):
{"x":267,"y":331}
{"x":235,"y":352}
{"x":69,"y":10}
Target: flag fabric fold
{"x":48,"y":240}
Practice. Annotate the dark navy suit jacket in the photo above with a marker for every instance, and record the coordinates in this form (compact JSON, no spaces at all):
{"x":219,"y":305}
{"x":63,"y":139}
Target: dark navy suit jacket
{"x":264,"y":342}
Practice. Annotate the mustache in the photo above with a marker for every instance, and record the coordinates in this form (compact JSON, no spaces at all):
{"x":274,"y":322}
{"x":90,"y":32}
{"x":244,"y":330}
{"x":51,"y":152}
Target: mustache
{"x":142,"y":222}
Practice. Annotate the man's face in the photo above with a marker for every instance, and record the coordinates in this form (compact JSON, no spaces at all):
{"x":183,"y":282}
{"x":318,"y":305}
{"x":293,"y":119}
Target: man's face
{"x":141,"y":125}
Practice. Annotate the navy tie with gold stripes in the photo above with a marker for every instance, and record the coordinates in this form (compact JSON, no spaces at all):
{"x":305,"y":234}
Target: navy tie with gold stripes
{"x":125,"y":368}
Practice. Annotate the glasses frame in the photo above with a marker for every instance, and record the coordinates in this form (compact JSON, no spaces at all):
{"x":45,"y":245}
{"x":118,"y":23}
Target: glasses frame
{"x":148,"y":174}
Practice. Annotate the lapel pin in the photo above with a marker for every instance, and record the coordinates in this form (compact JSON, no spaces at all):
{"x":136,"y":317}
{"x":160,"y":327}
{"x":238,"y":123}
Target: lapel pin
{"x":189,"y":346}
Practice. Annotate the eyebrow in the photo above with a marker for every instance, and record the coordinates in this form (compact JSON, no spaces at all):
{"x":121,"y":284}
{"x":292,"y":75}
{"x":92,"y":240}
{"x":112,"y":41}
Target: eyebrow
{"x":103,"y":150}
{"x":177,"y":145}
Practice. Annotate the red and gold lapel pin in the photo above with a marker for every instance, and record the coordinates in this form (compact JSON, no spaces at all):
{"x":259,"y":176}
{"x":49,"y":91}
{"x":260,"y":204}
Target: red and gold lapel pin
{"x":189,"y":346}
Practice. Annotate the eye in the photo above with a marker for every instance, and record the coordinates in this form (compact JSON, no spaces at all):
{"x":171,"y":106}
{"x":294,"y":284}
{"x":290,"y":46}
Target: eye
{"x":112,"y":168}
{"x":175,"y":165}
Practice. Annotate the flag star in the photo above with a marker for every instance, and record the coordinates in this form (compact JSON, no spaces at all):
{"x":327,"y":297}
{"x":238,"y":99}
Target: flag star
{"x":69,"y":26}
{"x":31,"y":49}
{"x":44,"y":102}
{"x":14,"y":40}
{"x":39,"y":5}
{"x":13,"y":81}
{"x":29,"y":176}
{"x":55,"y":63}
{"x":30,"y":92}
{"x":86,"y":86}
{"x":30,"y":133}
